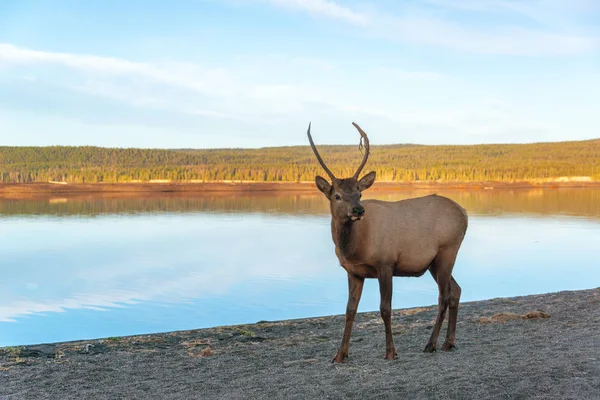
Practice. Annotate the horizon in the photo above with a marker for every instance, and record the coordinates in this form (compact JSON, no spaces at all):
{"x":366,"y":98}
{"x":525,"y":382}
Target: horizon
{"x":302,"y":145}
{"x":307,"y":145}
{"x":249,"y":74}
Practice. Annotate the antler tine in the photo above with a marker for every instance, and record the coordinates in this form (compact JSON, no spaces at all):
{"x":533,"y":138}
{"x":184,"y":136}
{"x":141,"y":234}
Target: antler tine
{"x":363,"y":136}
{"x":312,"y":144}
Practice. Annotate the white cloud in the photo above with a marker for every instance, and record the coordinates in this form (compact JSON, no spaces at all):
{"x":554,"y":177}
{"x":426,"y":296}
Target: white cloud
{"x":324,"y":8}
{"x":274,"y":93}
{"x":17,"y":55}
{"x":500,"y":41}
{"x":194,"y":87}
{"x":415,"y":25}
{"x":179,"y":74}
{"x":547,"y":11}
{"x":402,"y":74}
{"x":314,"y":63}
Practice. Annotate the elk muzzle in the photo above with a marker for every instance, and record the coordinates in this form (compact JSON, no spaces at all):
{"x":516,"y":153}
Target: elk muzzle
{"x":357,"y":213}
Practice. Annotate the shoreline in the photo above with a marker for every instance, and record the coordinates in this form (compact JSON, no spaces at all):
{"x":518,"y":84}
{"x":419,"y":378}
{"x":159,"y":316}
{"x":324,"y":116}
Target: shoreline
{"x":36,"y":189}
{"x":536,"y":346}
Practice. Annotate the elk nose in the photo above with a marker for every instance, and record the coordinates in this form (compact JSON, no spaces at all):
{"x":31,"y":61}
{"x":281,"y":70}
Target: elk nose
{"x":359,"y":210}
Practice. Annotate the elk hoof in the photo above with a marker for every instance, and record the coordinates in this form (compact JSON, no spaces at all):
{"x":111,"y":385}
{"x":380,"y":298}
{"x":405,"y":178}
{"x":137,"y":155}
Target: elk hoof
{"x":391,"y":355}
{"x":448,"y":347}
{"x":430,"y":348}
{"x":339,"y":358}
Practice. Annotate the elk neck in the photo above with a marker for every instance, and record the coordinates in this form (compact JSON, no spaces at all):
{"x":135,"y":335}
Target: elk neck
{"x":344,"y":234}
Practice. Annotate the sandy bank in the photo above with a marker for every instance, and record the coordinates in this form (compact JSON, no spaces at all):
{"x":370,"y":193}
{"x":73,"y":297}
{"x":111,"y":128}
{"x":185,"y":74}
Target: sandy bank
{"x":503,"y":352}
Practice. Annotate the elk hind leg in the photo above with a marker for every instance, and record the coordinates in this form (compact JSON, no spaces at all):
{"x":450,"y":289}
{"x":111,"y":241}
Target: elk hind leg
{"x":385,"y":291}
{"x":455,"y":291}
{"x":441,"y":270}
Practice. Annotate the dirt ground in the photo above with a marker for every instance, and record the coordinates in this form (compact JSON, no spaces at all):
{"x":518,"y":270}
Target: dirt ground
{"x":534,"y":347}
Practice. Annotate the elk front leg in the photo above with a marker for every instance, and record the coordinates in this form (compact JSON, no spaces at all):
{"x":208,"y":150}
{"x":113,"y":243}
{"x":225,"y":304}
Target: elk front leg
{"x":385,"y":307}
{"x":355,"y":286}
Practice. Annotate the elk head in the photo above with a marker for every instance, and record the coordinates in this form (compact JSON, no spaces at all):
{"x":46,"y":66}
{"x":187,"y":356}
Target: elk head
{"x":344,"y":194}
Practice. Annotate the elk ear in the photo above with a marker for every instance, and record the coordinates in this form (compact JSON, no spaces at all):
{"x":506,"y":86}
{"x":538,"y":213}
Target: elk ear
{"x":323,"y":186}
{"x":366,"y":181}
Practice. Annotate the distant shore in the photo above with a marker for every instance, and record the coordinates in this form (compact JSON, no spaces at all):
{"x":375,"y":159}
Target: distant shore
{"x":24,"y":189}
{"x":531,"y":347}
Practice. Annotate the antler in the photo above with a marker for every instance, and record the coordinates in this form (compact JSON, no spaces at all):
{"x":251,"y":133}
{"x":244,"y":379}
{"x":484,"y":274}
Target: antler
{"x":363,"y":136}
{"x":318,"y":156}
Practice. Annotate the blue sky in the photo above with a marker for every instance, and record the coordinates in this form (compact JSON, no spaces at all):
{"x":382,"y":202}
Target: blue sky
{"x":250,"y":73}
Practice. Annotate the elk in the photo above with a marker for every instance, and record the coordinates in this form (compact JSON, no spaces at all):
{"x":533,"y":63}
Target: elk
{"x":383,"y":239}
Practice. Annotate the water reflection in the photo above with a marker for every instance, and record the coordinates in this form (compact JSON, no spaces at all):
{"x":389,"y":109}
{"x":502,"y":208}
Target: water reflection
{"x":160,"y":264}
{"x":583,"y":202}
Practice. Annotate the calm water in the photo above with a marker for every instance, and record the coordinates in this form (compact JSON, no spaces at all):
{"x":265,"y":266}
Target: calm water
{"x":93,"y":267}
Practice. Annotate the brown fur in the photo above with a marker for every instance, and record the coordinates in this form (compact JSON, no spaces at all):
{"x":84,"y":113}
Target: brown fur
{"x":381,"y":239}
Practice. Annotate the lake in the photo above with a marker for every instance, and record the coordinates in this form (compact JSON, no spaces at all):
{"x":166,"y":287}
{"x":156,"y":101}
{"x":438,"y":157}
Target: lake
{"x":91,"y":266}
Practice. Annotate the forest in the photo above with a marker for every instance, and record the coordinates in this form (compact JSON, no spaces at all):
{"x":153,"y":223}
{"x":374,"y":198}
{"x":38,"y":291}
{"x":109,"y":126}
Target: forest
{"x":393,"y":163}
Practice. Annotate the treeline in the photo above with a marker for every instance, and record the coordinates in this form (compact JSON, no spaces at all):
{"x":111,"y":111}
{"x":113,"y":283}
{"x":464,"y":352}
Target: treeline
{"x":400,"y":163}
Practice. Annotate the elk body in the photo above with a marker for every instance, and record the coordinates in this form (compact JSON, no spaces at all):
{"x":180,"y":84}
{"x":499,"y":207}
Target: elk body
{"x":381,"y":239}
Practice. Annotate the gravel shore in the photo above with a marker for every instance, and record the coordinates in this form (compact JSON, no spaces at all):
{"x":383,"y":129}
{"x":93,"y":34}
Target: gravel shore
{"x":532,"y":347}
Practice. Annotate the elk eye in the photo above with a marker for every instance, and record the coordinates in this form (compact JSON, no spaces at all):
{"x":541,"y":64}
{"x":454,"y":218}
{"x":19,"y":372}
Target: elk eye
{"x":337,"y":197}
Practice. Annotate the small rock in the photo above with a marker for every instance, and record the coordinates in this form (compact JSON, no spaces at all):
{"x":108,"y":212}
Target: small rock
{"x":536,"y":314}
{"x":500,"y":317}
{"x":508,"y":316}
{"x":93,"y":349}
{"x":207,"y":352}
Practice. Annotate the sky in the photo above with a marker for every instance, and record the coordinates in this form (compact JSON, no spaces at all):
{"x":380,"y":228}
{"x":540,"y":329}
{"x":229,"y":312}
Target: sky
{"x":253,"y":73}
